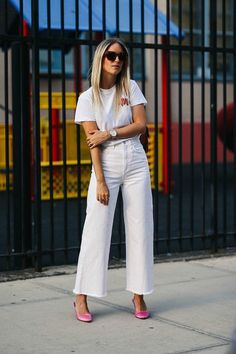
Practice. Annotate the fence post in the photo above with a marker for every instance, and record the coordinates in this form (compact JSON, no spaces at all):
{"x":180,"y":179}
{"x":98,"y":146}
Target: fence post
{"x":167,"y":158}
{"x":213,"y":120}
{"x":21,"y":152}
{"x":36,"y":137}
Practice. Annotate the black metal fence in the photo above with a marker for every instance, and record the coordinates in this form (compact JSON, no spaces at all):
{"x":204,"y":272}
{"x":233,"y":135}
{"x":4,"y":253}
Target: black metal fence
{"x":184,"y":60}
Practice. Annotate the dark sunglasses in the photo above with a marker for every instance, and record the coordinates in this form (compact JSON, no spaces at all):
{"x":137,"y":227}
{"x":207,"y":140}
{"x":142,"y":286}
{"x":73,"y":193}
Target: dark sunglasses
{"x":113,"y":55}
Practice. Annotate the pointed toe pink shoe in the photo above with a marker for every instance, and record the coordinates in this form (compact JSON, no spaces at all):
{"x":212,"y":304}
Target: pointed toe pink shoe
{"x":86,"y":317}
{"x":141,"y":314}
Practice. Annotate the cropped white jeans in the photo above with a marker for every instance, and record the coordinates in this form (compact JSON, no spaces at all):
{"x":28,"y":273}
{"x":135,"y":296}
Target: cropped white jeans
{"x":125,"y":165}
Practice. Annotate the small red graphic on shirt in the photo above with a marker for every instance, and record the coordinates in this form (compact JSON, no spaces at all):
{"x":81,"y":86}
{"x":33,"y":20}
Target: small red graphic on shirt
{"x":124,"y":101}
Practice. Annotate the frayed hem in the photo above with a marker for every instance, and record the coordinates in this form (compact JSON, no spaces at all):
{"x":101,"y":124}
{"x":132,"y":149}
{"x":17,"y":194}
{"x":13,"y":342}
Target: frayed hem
{"x":140,"y":292}
{"x":88,"y":294}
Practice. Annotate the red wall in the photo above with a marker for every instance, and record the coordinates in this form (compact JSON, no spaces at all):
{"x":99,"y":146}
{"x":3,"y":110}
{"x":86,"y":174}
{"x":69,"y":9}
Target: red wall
{"x":186,"y":144}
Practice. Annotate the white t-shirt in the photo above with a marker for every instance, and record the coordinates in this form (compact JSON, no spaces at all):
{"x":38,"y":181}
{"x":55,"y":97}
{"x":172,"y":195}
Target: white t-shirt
{"x":106,"y":117}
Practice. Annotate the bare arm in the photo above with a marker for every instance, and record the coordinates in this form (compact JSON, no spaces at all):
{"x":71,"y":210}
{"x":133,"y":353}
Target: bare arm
{"x":102,"y":189}
{"x":96,"y":137}
{"x":137,"y":127}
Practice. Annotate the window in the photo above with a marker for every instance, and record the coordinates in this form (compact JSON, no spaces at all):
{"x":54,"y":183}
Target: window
{"x":135,"y":55}
{"x":200,"y":37}
{"x":56,"y":61}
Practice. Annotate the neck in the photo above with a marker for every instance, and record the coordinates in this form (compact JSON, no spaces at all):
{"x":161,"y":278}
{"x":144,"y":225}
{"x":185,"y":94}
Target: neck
{"x":107,"y":81}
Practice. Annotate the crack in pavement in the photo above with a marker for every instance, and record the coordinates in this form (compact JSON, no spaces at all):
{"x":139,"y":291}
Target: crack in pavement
{"x":227,"y":271}
{"x":193,"y":280}
{"x":193,"y":329}
{"x":198,"y":349}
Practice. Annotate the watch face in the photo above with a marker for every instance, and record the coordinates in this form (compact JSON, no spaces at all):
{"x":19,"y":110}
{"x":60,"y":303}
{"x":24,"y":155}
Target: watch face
{"x":113,"y":133}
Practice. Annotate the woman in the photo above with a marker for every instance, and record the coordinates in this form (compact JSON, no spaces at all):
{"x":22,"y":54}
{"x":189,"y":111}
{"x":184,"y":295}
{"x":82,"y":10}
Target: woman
{"x":112,"y":114}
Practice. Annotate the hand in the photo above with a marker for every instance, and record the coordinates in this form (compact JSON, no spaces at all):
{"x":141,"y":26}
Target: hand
{"x":97,"y":137}
{"x":102,"y":193}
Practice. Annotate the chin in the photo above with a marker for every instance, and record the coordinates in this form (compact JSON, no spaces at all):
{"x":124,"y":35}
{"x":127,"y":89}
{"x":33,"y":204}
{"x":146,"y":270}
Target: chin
{"x":117,"y":71}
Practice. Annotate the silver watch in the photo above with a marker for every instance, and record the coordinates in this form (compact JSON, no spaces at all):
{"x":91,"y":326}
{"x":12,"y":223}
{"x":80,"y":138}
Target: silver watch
{"x":113,"y":133}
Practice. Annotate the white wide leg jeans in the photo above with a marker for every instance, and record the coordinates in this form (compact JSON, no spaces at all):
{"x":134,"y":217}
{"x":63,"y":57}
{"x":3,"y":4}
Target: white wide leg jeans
{"x":125,"y":165}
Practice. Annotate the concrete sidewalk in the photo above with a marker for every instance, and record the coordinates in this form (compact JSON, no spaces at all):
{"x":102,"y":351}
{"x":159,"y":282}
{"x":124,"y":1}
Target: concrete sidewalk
{"x":193,"y":311}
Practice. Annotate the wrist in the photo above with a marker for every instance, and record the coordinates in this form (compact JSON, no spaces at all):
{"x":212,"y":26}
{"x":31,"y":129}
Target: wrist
{"x":113,"y":134}
{"x":107,"y":135}
{"x":101,"y":180}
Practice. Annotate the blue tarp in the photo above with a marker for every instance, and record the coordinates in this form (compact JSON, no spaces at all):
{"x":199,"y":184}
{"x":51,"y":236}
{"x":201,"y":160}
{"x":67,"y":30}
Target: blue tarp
{"x":97,"y":16}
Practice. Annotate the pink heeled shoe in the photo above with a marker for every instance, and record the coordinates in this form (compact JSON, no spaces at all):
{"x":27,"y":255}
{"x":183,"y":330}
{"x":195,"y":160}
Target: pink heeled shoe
{"x":140,"y":314}
{"x":86,"y":317}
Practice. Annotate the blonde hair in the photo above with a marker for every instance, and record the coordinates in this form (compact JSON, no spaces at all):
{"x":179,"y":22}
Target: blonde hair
{"x":123,"y":78}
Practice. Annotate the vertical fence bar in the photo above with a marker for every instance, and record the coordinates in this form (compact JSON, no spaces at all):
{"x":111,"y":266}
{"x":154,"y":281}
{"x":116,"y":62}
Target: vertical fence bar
{"x":104,"y":18}
{"x":77,"y":90}
{"x":90,"y":32}
{"x":21,"y":145}
{"x":50,"y":127}
{"x":156,"y":128}
{"x":119,"y":202}
{"x":21,"y":18}
{"x":63,"y":86}
{"x":234,"y":120}
{"x":142,"y":47}
{"x":131,"y":36}
{"x":169,"y":133}
{"x":25,"y":151}
{"x":224,"y":184}
{"x":7,"y":160}
{"x":36,"y":132}
{"x":117,"y":19}
{"x":20,"y":89}
{"x":191,"y":126}
{"x":16,"y":132}
{"x":213,"y":106}
{"x":203,"y":163}
{"x":23,"y":249}
{"x":180,"y":135}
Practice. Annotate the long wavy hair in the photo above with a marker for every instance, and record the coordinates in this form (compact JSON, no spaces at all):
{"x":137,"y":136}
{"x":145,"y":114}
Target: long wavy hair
{"x":123,"y":78}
